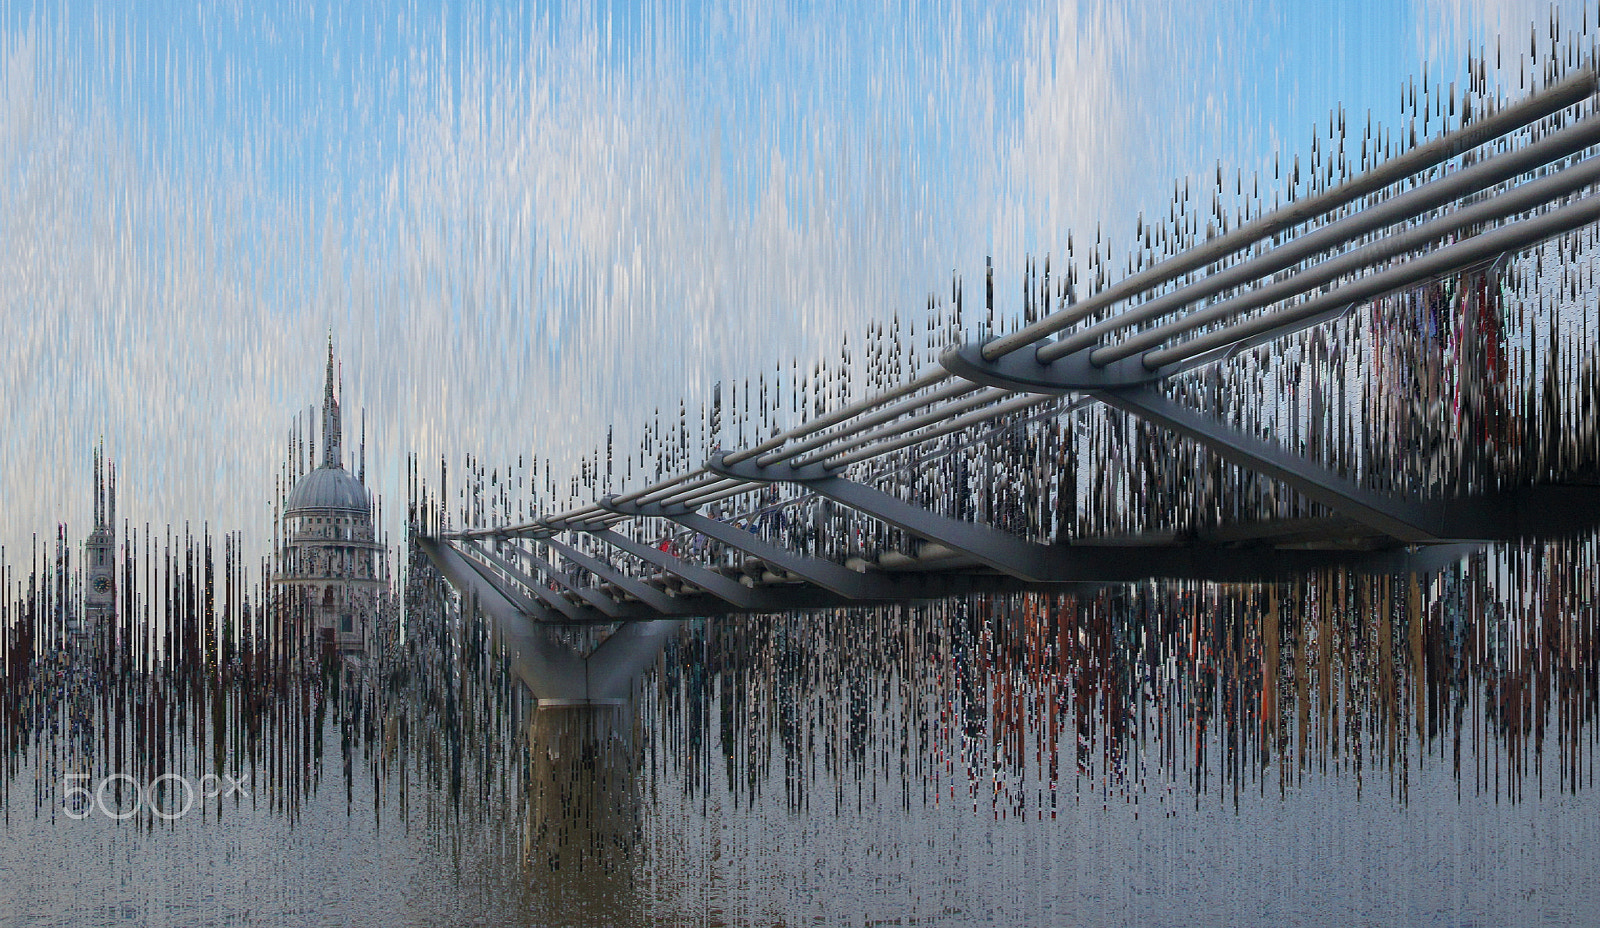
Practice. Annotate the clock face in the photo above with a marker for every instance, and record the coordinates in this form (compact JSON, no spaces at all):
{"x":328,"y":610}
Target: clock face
{"x":101,"y":584}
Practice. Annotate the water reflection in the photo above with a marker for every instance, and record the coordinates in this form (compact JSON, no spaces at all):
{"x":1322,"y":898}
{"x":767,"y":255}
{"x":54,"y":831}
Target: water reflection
{"x":1019,"y":704}
{"x":757,"y":745}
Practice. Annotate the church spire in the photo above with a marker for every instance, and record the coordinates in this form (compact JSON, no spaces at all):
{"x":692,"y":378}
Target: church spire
{"x":330,"y":417}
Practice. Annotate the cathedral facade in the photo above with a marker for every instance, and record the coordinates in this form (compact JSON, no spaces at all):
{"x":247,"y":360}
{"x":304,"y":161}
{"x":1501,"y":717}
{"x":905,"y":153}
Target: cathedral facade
{"x":330,"y":561}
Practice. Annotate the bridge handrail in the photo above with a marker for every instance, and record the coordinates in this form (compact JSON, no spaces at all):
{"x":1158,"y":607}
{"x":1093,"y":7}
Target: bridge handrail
{"x":1405,"y":206}
{"x":1573,"y":89}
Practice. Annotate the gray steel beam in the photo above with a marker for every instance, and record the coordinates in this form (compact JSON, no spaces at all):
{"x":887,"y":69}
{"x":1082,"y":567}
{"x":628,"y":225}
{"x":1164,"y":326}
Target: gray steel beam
{"x":1121,"y":564}
{"x":729,"y":591}
{"x":617,"y":662}
{"x":1005,"y":552}
{"x":544,"y":669}
{"x":832,"y":577}
{"x":1545,"y":511}
{"x":1046,"y":565}
{"x":757,"y":599}
{"x":550,"y":598}
{"x":593,"y":597}
{"x":634,"y":587}
{"x":735,"y":596}
{"x":1398,"y":518}
{"x":905,"y":587}
{"x":550,"y":668}
{"x":528,"y":606}
{"x":601,"y":609}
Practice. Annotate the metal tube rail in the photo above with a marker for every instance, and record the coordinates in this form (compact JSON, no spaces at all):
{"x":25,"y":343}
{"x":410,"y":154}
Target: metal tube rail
{"x":1519,"y":199}
{"x":887,"y":414}
{"x":1572,"y":90}
{"x":594,"y":510}
{"x":668,"y":491}
{"x":673,"y":488}
{"x":666,"y":484}
{"x":546,"y":524}
{"x":687,"y":498}
{"x":1470,"y":180}
{"x":954,"y":425}
{"x":543,"y":521}
{"x":1446,"y":260}
{"x":732,"y":491}
{"x":834,"y":418}
{"x":688,"y":482}
{"x":731,"y":488}
{"x":983,"y":397}
{"x":739,"y":488}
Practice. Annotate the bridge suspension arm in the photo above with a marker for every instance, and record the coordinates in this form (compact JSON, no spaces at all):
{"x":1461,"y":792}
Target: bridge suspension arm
{"x":551,"y":600}
{"x":1504,"y":516}
{"x":515,"y":623}
{"x":1397,"y":518}
{"x":556,"y":673}
{"x":636,"y":588}
{"x":826,"y":574}
{"x":471,"y":577}
{"x":729,"y":591}
{"x":593,"y":597}
{"x":1007,"y":553}
{"x":1037,"y":564}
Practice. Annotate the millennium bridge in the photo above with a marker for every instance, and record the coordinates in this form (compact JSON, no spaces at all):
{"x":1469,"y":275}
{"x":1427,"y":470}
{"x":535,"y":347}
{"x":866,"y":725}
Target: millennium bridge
{"x":1377,"y":375}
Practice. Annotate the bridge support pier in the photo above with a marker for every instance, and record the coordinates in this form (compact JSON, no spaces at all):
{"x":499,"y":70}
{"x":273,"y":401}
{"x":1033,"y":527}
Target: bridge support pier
{"x":549,"y":658}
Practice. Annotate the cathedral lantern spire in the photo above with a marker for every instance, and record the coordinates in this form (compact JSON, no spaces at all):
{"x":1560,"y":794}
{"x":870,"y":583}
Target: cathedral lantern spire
{"x":330,"y":418}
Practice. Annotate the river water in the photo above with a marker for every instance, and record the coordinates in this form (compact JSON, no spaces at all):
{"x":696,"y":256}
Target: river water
{"x":1114,"y":759}
{"x":1320,"y":856}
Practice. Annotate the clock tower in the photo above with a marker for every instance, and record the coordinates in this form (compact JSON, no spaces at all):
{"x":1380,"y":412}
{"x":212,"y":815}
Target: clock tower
{"x":100,"y":555}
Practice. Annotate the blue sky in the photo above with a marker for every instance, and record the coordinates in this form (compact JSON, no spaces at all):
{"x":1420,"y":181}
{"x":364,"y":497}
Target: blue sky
{"x":523,"y":222}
